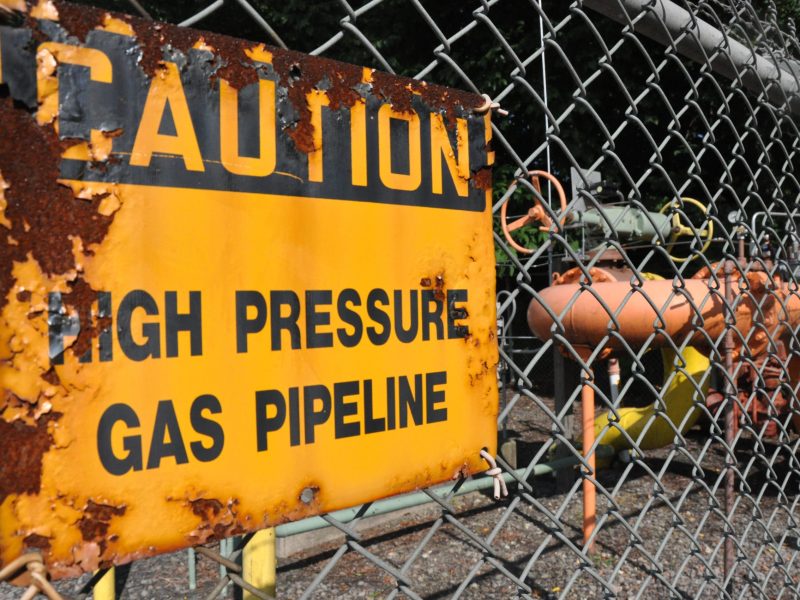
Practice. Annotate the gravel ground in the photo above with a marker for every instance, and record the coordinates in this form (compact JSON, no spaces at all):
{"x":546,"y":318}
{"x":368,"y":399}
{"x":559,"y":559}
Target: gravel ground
{"x":659,"y":524}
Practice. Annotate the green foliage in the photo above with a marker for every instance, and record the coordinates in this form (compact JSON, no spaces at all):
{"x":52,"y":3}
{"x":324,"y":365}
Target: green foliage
{"x":787,"y":9}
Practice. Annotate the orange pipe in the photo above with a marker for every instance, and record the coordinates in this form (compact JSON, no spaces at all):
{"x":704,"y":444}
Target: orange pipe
{"x":693,"y":313}
{"x":587,"y":323}
{"x":589,"y":491}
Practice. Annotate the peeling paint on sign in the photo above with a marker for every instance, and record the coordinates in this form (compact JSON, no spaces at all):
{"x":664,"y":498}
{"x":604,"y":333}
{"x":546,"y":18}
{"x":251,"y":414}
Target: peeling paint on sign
{"x":239,"y":286}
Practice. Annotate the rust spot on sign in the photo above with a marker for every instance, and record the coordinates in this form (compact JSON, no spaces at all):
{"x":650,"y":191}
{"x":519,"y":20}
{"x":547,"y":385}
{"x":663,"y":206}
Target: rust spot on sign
{"x":34,"y":540}
{"x":77,"y":20}
{"x":439,"y":289}
{"x":22,"y":447}
{"x":51,"y":377}
{"x":206,"y":508}
{"x":462,"y":472}
{"x":482,"y":179}
{"x":301,"y":75}
{"x":52,"y":214}
{"x":400,"y":93}
{"x":153,"y":38}
{"x":80,"y":298}
{"x":437,"y":283}
{"x":237,"y":69}
{"x":218,"y":520}
{"x":96,"y":519}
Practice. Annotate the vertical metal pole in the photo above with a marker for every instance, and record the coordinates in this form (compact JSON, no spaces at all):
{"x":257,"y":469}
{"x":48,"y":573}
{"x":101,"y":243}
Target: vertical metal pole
{"x":564,"y":377}
{"x":223,"y":551}
{"x":191,"y":559}
{"x":740,"y":231}
{"x":233,"y":542}
{"x":589,"y":491}
{"x":105,"y":588}
{"x":730,"y":395}
{"x":545,"y":98}
{"x":565,"y":380}
{"x":259,"y":562}
{"x":613,"y":378}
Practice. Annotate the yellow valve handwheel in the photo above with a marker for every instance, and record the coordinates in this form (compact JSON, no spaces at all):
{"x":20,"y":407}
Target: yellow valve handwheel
{"x":680,"y":230}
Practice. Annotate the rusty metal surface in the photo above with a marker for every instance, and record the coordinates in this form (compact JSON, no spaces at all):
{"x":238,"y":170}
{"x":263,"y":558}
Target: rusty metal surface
{"x":146,"y":240}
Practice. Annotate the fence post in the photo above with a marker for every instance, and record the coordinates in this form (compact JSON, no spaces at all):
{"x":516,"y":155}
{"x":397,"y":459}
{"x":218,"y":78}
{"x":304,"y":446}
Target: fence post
{"x":729,"y":551}
{"x":258,"y":562}
{"x":105,"y":588}
{"x":191,"y":559}
{"x":564,"y":381}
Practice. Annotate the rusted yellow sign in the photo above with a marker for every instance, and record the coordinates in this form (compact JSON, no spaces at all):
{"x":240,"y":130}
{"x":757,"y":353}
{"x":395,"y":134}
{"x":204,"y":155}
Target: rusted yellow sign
{"x":240,"y":286}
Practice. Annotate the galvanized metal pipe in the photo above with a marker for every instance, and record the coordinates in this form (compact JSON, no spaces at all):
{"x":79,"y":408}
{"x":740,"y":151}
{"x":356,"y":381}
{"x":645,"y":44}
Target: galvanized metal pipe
{"x":665,"y":21}
{"x":613,"y":378}
{"x":388,"y":505}
{"x":191,"y":558}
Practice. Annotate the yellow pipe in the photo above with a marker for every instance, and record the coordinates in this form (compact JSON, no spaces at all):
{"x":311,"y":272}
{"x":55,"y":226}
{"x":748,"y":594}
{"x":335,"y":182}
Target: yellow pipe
{"x":258,"y":563}
{"x":679,"y":398}
{"x":585,"y":325}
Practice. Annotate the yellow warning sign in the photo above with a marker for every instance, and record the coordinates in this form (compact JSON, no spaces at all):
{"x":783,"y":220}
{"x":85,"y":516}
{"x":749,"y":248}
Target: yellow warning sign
{"x":243,"y":286}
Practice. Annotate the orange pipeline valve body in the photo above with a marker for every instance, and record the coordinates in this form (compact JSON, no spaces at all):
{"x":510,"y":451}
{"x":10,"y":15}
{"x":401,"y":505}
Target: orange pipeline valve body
{"x":613,"y":314}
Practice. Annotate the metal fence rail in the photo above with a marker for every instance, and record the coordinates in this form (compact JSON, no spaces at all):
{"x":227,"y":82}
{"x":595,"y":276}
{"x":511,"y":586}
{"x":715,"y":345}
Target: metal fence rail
{"x":634,"y":106}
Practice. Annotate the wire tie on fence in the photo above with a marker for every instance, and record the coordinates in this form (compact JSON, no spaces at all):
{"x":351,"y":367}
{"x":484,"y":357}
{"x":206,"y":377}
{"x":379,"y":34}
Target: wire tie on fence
{"x":489,"y":104}
{"x":38,"y":575}
{"x":500,"y":489}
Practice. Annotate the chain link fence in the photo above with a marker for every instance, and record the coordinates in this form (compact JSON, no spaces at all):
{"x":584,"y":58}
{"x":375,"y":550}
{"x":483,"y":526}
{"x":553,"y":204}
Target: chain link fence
{"x":645,"y":199}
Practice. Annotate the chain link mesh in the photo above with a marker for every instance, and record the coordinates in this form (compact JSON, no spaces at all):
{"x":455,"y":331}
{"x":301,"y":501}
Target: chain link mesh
{"x":634,"y":106}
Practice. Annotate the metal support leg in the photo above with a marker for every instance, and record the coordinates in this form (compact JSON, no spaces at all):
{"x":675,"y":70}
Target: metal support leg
{"x":105,"y":588}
